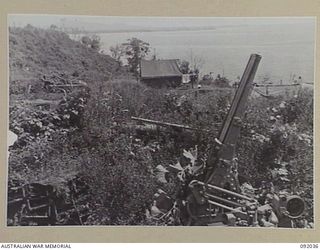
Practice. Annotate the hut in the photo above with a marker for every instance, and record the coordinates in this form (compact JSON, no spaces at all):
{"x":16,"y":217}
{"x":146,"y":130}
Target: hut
{"x":160,"y":73}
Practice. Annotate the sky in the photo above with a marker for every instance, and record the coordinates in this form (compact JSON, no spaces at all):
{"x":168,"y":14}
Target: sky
{"x":287,"y":44}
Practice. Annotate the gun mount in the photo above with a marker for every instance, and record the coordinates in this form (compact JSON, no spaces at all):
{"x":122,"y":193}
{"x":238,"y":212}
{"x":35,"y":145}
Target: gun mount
{"x":217,"y":197}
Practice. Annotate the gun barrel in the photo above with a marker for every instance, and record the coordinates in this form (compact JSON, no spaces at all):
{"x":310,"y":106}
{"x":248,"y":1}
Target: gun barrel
{"x":229,"y":131}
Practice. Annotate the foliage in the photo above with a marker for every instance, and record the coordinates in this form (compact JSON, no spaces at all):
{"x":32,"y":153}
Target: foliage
{"x":196,"y":63}
{"x":277,"y":144}
{"x":221,"y":82}
{"x":86,"y":40}
{"x":104,"y":158}
{"x":184,"y":67}
{"x":121,"y":182}
{"x":117,"y":52}
{"x":95,"y":42}
{"x":135,"y":50}
{"x":40,"y":138}
{"x":91,"y":42}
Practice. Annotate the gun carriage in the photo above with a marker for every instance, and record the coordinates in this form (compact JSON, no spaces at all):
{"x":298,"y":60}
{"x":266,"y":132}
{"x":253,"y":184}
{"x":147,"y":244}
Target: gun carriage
{"x":216,"y":197}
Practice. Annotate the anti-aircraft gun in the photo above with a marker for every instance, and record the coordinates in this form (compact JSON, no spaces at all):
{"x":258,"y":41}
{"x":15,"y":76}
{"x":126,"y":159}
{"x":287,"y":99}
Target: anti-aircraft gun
{"x":216,"y":197}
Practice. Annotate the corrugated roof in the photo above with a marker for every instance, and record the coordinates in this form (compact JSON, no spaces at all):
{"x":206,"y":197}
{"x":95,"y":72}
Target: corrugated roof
{"x":159,"y":68}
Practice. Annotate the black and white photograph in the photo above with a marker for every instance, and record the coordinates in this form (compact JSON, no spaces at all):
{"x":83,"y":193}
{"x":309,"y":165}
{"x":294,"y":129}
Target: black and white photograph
{"x":160,"y":121}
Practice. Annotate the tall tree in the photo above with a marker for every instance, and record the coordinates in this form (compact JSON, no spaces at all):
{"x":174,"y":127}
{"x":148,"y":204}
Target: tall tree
{"x":185,"y":67}
{"x":117,"y":52}
{"x":196,"y":62}
{"x":135,"y":50}
{"x":95,"y":42}
{"x":92,"y":42}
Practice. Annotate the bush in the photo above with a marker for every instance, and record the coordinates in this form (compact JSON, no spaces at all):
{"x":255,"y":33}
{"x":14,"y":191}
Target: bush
{"x":121,"y":183}
{"x":276,"y":145}
{"x":220,"y":82}
{"x":91,"y":42}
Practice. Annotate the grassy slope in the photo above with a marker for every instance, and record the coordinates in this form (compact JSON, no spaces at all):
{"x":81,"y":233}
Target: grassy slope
{"x":34,"y":52}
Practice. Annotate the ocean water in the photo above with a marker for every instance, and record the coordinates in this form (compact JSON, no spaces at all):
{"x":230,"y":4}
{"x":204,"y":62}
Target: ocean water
{"x":286,"y":49}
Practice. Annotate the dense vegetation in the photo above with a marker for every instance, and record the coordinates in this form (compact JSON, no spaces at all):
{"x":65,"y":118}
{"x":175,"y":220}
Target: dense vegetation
{"x":90,"y":134}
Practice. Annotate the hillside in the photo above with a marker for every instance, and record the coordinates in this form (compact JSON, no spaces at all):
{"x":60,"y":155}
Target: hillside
{"x":34,"y":52}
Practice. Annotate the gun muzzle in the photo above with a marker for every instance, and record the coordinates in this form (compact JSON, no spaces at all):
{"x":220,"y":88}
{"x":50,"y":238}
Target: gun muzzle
{"x":295,"y":206}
